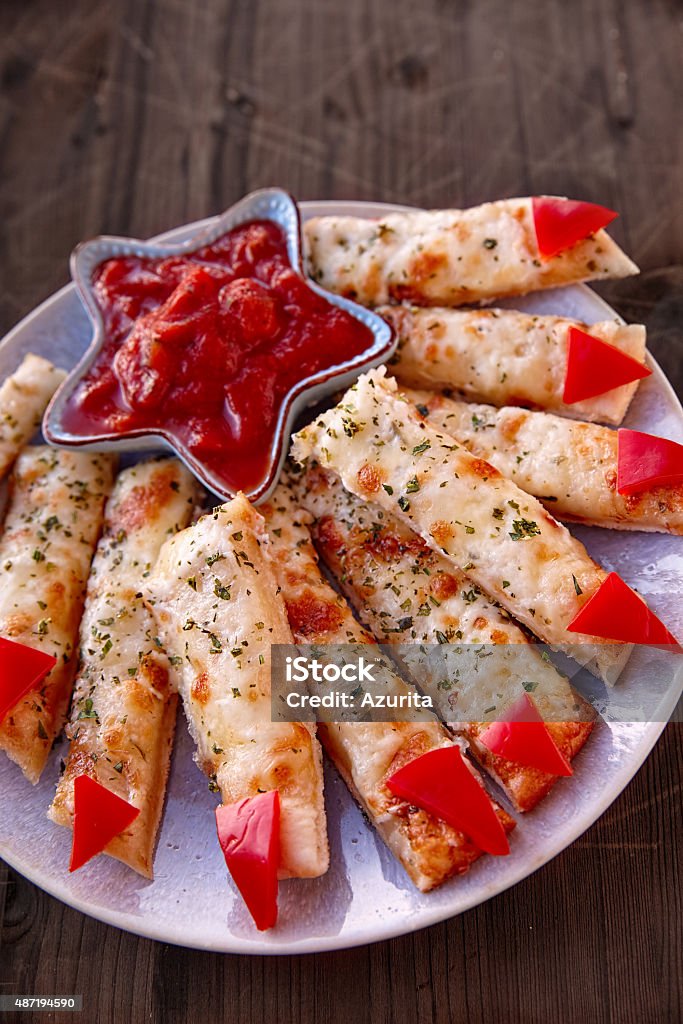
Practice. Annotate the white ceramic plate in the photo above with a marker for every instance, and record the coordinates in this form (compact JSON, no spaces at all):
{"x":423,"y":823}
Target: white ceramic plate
{"x":365,"y":896}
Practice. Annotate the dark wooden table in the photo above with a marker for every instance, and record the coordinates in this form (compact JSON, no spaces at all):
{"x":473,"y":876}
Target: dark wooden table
{"x":134,"y":115}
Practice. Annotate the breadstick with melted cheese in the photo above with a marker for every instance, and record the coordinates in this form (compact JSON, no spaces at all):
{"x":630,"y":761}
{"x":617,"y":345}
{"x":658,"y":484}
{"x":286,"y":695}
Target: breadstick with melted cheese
{"x":463,"y":508}
{"x":218,"y":610}
{"x":24,"y":396}
{"x":505,"y":357}
{"x":450,"y":257}
{"x":123,"y":710}
{"x":53,"y":522}
{"x":366,"y":753}
{"x":570,"y":467}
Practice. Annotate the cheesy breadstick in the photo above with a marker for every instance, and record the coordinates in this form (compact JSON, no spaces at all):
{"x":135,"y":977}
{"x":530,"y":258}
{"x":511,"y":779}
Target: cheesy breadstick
{"x":218,"y":610}
{"x":505,"y":357}
{"x":570,"y":467}
{"x":462,"y":507}
{"x":52,"y":525}
{"x":452,"y":257}
{"x":123,"y":710}
{"x":23,"y":399}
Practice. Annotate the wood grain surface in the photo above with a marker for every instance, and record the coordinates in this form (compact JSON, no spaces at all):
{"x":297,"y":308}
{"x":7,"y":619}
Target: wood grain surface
{"x":135,"y":115}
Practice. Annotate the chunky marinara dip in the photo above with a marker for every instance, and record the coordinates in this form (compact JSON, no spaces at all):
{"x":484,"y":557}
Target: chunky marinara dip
{"x":206,"y":346}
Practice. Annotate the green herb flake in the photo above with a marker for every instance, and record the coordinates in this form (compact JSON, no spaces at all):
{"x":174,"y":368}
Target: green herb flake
{"x":524,"y":528}
{"x":87,"y":711}
{"x":221,"y":591}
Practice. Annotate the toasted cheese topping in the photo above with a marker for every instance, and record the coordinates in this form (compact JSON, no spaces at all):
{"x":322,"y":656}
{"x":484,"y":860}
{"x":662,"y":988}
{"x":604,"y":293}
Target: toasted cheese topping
{"x":366,"y":753}
{"x":505,"y":357}
{"x":412,"y":597}
{"x":570,"y":467}
{"x":123,"y":709}
{"x":218,"y":610}
{"x":462,"y":507}
{"x":23,"y":399}
{"x":450,"y":257}
{"x":51,"y":529}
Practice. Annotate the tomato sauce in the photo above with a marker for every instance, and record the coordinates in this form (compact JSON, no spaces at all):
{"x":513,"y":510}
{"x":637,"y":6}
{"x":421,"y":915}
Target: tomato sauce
{"x":206,"y":346}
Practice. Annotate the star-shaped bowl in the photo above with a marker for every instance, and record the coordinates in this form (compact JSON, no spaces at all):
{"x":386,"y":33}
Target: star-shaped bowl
{"x":266,"y":204}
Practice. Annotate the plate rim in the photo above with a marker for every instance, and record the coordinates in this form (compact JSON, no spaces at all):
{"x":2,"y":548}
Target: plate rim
{"x":422,"y":918}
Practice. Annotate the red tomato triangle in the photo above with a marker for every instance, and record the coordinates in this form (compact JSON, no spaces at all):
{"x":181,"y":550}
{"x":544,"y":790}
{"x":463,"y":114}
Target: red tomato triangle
{"x":249,"y":834}
{"x":561,"y":223}
{"x":645,"y":461}
{"x":524,"y":739}
{"x":594,"y":366}
{"x":99,"y":816}
{"x":616,"y":612}
{"x":22,"y":669}
{"x":440,"y":782}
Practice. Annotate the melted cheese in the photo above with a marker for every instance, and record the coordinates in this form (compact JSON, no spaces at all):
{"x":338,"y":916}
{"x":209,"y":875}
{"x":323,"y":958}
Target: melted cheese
{"x":505,"y":357}
{"x":23,"y":399}
{"x":410,"y":596}
{"x":123,"y":709}
{"x":53,"y":521}
{"x":215,"y":601}
{"x":571,"y":467}
{"x":503,"y":539}
{"x":365,"y":753}
{"x":445,"y":257}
